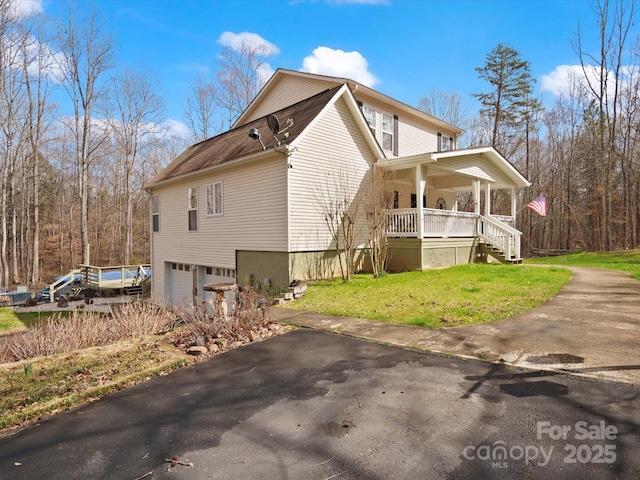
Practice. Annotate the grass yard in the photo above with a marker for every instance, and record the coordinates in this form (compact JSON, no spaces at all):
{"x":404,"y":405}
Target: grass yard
{"x":33,"y":389}
{"x":461,"y":295}
{"x":626,"y":261}
{"x":12,"y":321}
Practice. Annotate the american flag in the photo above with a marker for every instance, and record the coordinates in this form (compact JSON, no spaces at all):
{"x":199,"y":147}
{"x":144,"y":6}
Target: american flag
{"x":539,"y":205}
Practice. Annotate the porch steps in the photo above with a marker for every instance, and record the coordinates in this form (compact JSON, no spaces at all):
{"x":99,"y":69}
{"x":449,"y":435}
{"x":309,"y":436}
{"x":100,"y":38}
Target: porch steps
{"x":499,"y":254}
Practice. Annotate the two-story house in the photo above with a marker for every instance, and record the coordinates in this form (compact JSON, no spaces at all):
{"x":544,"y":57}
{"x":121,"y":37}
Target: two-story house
{"x":246,"y":204}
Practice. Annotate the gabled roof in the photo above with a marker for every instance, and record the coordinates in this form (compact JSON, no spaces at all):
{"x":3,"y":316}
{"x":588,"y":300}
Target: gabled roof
{"x":236,"y":144}
{"x":355,"y":86}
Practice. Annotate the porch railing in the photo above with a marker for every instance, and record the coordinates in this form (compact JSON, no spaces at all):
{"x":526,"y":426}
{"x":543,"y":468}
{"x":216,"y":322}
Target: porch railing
{"x":498,"y":233}
{"x":508,"y":219}
{"x":496,"y":230}
{"x":435,"y":223}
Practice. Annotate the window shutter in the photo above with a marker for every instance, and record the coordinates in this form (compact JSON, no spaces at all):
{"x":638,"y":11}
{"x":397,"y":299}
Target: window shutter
{"x":439,"y":142}
{"x":395,"y":135}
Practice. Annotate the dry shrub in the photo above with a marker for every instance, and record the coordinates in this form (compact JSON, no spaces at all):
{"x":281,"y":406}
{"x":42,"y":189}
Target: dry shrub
{"x":86,"y":329}
{"x":250,"y":314}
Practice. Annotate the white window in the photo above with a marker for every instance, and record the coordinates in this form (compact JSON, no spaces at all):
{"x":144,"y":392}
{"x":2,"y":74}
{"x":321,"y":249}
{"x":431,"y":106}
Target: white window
{"x":155,"y":214}
{"x":370,"y":114}
{"x":384,"y":127}
{"x":214,"y":199}
{"x":193,"y":209}
{"x":387,"y":132}
{"x":444,"y":143}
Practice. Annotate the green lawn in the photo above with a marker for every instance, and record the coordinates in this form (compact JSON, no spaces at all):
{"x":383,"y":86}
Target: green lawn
{"x":10,"y":320}
{"x":627,"y":261}
{"x":459,"y":295}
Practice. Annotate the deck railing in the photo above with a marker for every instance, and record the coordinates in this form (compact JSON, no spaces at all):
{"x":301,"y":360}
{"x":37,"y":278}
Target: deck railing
{"x":115,"y":277}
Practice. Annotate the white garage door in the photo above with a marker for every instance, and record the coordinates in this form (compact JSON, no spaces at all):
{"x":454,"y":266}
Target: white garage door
{"x":179,"y":283}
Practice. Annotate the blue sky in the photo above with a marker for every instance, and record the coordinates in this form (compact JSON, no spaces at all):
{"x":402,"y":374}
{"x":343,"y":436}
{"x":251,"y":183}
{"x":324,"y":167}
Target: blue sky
{"x":407,"y":46}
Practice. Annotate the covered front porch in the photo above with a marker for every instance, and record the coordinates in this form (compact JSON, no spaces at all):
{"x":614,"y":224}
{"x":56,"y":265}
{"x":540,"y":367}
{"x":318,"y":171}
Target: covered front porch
{"x":455,"y":189}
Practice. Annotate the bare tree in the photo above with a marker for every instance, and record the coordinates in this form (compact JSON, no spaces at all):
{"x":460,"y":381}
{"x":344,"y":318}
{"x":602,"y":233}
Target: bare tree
{"x":340,"y":206}
{"x":36,"y":68}
{"x":446,"y":106}
{"x":12,"y":137}
{"x":240,"y":76}
{"x":134,"y":113}
{"x":378,"y":201}
{"x":200,"y":110}
{"x":604,"y":77}
{"x":86,"y":56}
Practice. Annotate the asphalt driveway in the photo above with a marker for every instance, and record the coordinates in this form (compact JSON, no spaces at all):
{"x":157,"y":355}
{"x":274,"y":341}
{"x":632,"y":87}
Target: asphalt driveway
{"x":315,"y":405}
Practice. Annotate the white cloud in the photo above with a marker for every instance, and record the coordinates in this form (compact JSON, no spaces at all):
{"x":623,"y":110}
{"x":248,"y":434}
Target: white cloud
{"x":26,"y":8}
{"x":236,"y":41}
{"x":567,"y":79}
{"x":176,"y":128}
{"x":338,"y":63}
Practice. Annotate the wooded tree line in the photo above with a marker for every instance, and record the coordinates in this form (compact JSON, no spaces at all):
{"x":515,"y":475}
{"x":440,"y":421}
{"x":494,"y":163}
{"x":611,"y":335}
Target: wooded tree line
{"x":583,"y":152}
{"x":71,"y":178}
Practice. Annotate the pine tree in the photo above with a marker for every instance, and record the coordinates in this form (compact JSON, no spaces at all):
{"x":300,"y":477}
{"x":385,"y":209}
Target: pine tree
{"x":509,"y":105}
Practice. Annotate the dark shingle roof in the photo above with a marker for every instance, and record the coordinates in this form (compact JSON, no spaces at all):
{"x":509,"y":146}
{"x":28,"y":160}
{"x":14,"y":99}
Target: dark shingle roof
{"x":235,"y":144}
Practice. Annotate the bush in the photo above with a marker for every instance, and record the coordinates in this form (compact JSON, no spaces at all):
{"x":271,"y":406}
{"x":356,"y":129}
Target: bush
{"x":250,"y":315}
{"x":86,"y":329}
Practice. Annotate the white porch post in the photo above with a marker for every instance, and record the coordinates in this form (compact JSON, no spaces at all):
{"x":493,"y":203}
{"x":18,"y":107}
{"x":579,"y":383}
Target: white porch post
{"x":487,"y":200}
{"x":420,"y":184}
{"x":476,"y":196}
{"x":512,"y":192}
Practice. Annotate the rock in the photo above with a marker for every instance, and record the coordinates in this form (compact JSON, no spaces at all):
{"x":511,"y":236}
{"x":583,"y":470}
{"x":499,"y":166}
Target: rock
{"x":197,"y":350}
{"x":214,"y":348}
{"x":220,"y":341}
{"x":201,"y":341}
{"x":253,"y":336}
{"x":237,"y":344}
{"x":299,"y":288}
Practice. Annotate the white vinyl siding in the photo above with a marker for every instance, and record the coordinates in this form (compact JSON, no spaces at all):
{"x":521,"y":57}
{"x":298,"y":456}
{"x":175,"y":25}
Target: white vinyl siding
{"x":255,"y":218}
{"x":290,"y":89}
{"x":332,"y":156}
{"x":415,"y":136}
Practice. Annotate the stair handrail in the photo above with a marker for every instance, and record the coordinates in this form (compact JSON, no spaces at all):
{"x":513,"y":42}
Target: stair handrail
{"x":61,"y":283}
{"x":501,"y":235}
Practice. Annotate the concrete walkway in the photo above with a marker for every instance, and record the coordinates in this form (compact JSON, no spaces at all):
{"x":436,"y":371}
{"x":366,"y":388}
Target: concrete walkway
{"x":591,"y":328}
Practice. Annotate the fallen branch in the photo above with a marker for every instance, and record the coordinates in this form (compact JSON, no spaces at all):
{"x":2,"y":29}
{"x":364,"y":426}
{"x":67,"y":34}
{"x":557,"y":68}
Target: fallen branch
{"x":326,"y":461}
{"x":143,"y":476}
{"x":175,"y":461}
{"x":336,"y":475}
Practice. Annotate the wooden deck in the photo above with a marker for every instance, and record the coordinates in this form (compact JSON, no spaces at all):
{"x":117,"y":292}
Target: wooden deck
{"x":121,"y":278}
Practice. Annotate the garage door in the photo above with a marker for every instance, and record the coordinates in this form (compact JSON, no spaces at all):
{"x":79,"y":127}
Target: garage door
{"x":179,"y":283}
